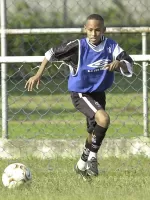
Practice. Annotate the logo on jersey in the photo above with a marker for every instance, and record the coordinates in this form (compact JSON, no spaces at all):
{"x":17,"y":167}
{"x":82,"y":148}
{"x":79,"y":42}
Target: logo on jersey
{"x":99,"y":64}
{"x":109,"y":50}
{"x":96,"y":103}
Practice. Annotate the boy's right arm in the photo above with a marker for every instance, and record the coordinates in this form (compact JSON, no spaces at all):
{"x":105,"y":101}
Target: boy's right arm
{"x":36,"y":78}
{"x":62,"y":52}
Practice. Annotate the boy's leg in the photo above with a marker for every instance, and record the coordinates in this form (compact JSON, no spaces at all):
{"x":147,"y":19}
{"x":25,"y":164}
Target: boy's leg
{"x":92,"y":145}
{"x":88,"y":105}
{"x":98,"y":130}
{"x":81,"y":166}
{"x":90,"y":127}
{"x":97,"y":138}
{"x":82,"y":163}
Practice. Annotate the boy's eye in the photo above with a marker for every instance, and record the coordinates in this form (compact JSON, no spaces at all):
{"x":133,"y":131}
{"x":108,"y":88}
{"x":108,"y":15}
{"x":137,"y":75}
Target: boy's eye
{"x":97,"y":30}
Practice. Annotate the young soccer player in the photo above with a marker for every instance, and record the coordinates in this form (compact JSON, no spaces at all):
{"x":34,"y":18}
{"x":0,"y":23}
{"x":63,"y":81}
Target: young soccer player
{"x":92,"y":61}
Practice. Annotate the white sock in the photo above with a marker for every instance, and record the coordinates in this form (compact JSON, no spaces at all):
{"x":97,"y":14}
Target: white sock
{"x":92,"y":155}
{"x":81,"y":164}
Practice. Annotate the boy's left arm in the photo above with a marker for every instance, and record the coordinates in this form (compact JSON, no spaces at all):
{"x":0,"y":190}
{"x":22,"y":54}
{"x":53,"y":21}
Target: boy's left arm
{"x":122,"y":64}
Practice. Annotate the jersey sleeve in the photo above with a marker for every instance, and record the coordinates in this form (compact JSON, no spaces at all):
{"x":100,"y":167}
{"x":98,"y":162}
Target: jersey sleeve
{"x":62,"y":52}
{"x":121,"y":55}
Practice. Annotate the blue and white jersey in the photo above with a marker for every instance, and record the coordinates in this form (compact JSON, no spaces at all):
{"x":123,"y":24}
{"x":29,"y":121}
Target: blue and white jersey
{"x":91,"y":75}
{"x":87,"y":63}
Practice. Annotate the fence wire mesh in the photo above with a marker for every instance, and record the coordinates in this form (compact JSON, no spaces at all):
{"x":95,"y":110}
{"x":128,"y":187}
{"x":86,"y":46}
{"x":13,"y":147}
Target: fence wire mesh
{"x":63,"y":13}
{"x":47,"y":113}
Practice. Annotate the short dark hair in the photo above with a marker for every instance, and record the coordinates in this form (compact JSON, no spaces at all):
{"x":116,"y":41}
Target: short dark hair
{"x":95,"y":16}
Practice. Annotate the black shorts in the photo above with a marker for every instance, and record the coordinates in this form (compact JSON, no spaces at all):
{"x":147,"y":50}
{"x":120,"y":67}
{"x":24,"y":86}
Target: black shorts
{"x":89,"y":104}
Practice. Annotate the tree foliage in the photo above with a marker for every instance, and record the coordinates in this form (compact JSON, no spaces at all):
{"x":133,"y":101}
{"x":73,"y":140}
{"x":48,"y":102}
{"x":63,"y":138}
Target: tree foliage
{"x":29,"y":45}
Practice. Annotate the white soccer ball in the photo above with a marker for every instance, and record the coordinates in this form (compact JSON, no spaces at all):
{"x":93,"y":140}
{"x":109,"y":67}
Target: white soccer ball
{"x":15,"y":175}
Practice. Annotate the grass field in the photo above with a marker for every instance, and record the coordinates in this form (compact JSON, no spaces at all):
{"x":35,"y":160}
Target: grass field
{"x":125,"y":179}
{"x":53,"y":116}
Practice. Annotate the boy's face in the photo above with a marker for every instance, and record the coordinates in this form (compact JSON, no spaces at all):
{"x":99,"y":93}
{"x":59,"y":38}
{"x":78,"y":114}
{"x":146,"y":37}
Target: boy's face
{"x":94,"y":30}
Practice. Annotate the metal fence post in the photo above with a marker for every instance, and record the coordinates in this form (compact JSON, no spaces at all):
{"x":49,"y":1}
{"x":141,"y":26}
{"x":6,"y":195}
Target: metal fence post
{"x":4,"y":72}
{"x":145,"y":93}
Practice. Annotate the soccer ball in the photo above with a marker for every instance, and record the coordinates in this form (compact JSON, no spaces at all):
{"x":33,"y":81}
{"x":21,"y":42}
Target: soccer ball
{"x":15,"y":175}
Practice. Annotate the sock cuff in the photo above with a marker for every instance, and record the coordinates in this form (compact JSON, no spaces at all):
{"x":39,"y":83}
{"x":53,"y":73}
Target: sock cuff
{"x":92,"y":155}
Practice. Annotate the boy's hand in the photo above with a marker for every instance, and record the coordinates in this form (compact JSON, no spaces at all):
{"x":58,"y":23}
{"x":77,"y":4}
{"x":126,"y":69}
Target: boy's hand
{"x":114,"y":65}
{"x":30,"y":83}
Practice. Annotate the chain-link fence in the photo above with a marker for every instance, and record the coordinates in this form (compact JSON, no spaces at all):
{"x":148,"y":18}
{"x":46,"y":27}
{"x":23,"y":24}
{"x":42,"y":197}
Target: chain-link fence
{"x":47,"y":113}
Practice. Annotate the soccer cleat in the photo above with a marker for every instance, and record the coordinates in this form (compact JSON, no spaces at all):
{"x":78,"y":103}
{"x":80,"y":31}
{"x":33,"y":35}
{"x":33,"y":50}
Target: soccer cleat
{"x":83,"y":174}
{"x":92,"y":167}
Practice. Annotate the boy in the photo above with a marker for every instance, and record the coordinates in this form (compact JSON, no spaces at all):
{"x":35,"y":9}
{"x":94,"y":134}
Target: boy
{"x":92,"y":62}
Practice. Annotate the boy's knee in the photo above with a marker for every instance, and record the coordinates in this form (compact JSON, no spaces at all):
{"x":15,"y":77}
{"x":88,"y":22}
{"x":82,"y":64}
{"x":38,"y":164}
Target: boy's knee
{"x":102,"y":118}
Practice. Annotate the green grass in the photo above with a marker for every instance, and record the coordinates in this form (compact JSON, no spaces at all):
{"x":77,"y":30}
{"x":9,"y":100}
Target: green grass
{"x":53,"y":116}
{"x":119,"y":179}
{"x":43,"y":130}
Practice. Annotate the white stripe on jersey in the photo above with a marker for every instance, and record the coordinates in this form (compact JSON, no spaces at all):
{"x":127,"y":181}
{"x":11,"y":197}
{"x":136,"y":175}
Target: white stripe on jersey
{"x":49,"y":54}
{"x":71,"y":42}
{"x":99,"y":47}
{"x":88,"y":102}
{"x":117,"y":51}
